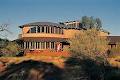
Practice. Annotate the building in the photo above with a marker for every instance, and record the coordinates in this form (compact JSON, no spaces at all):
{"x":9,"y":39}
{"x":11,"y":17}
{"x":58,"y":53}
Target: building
{"x":73,"y":24}
{"x":114,"y":41}
{"x":48,"y":35}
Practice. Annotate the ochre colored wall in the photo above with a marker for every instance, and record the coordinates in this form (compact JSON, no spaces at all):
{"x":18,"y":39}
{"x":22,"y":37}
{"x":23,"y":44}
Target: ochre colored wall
{"x":69,"y":33}
{"x":25,"y":29}
{"x":43,"y":35}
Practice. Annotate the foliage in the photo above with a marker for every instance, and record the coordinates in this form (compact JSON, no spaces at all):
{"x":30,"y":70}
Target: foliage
{"x":89,"y":44}
{"x":87,"y":69}
{"x":90,"y":22}
{"x":3,"y":42}
{"x":11,"y":49}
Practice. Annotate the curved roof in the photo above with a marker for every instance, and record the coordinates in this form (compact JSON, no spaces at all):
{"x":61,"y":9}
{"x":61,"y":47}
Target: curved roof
{"x":43,"y":23}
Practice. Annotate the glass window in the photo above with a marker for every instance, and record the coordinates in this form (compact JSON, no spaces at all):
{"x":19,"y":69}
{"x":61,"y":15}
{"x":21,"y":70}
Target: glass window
{"x":38,"y":29}
{"x":42,"y":28}
{"x":52,"y":45}
{"x":42,"y":45}
{"x":55,"y":30}
{"x":33,"y":45}
{"x":33,"y":30}
{"x":38,"y":45}
{"x":46,"y":29}
{"x":52,"y":29}
{"x":47,"y":45}
{"x":27,"y":45}
{"x":61,"y":31}
{"x":58,"y":30}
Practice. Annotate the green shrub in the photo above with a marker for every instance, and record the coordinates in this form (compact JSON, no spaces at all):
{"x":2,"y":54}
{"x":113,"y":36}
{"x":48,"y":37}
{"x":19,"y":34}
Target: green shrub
{"x":11,"y":49}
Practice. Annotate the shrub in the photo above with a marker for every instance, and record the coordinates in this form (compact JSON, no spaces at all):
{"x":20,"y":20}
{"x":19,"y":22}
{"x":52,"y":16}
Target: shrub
{"x":11,"y":49}
{"x":88,"y":44}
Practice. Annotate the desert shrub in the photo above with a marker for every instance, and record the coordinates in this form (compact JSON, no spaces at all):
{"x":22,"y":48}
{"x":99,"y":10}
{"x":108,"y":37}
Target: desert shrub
{"x":90,"y":50}
{"x":66,"y":48}
{"x":11,"y":49}
{"x":88,"y":44}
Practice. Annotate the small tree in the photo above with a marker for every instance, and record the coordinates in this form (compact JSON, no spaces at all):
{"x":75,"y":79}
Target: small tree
{"x":91,"y":22}
{"x":89,"y":44}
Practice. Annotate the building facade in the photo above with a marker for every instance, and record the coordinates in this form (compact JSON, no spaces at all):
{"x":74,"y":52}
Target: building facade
{"x":48,"y":35}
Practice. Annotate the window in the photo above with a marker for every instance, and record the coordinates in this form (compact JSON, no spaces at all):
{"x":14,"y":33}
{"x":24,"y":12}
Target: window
{"x":38,"y":29}
{"x":27,"y":45}
{"x":52,"y":45}
{"x":33,"y":30}
{"x":46,"y":29}
{"x":42,"y":28}
{"x":47,"y":45}
{"x":52,"y":29}
{"x":38,"y":45}
{"x":58,"y":30}
{"x":55,"y":30}
{"x":61,"y":31}
{"x":33,"y":45}
{"x":42,"y":45}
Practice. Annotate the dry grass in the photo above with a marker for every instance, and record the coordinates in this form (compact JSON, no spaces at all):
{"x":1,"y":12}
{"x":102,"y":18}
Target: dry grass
{"x":114,"y":61}
{"x":55,"y":59}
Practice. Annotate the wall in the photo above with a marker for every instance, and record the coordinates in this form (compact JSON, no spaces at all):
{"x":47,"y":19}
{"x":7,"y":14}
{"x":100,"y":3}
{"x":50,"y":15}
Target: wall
{"x":69,"y":33}
{"x":25,"y":29}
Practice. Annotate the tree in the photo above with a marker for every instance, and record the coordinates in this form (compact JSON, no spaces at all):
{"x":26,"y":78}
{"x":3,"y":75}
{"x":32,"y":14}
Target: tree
{"x":91,"y":22}
{"x":3,"y":28}
{"x":99,"y":23}
{"x":85,"y":22}
{"x":89,"y":44}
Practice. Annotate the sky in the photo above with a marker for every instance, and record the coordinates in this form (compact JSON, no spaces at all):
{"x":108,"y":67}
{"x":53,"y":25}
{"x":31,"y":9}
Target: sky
{"x":19,"y":12}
